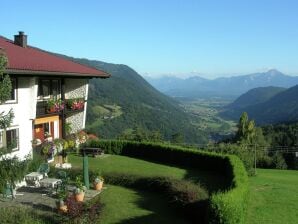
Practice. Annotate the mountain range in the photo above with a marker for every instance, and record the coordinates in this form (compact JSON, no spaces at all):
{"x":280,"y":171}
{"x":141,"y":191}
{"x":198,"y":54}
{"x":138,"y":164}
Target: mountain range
{"x":226,"y":87}
{"x":268,"y":105}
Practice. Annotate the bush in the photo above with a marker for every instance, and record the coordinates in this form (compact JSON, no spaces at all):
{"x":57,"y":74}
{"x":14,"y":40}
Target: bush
{"x":24,"y":215}
{"x":79,"y":212}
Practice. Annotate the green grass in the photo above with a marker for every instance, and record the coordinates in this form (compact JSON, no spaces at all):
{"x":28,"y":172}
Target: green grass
{"x":115,"y":163}
{"x":124,"y":205}
{"x":273,"y":197}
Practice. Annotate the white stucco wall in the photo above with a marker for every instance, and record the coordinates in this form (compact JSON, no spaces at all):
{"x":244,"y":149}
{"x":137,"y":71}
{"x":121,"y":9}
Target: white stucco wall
{"x":25,"y":110}
{"x":77,"y":88}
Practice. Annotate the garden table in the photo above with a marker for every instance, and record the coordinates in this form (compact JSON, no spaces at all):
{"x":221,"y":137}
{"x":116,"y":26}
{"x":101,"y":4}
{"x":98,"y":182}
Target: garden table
{"x":33,"y":178}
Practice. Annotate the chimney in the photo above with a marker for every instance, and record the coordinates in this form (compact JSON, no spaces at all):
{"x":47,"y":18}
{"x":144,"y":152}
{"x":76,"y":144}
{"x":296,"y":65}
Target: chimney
{"x":21,"y":39}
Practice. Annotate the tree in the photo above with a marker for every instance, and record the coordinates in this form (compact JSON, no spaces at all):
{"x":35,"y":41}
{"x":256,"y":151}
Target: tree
{"x":177,"y":138}
{"x":246,"y":129}
{"x":5,"y":91}
{"x":5,"y":83}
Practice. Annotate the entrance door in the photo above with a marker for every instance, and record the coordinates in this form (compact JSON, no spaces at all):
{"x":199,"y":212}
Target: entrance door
{"x":39,"y":132}
{"x":47,"y":127}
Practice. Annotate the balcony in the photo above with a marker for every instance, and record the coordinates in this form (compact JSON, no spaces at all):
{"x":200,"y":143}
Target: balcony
{"x":56,"y":107}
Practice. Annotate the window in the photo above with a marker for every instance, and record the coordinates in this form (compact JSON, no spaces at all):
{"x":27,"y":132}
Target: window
{"x":49,"y":87}
{"x":55,"y":88}
{"x":9,"y":141}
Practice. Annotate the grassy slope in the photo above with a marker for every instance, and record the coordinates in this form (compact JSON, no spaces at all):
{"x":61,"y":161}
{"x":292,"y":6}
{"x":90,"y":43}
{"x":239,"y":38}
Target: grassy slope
{"x":130,"y":206}
{"x":115,"y":163}
{"x":273,"y":197}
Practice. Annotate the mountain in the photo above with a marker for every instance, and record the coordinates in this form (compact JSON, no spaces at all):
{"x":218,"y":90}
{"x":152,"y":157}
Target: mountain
{"x":255,"y":96}
{"x":127,"y":101}
{"x":281,"y":107}
{"x":226,"y":87}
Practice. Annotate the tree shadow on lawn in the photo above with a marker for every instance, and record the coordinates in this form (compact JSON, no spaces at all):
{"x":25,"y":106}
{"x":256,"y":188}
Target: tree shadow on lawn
{"x":160,"y":210}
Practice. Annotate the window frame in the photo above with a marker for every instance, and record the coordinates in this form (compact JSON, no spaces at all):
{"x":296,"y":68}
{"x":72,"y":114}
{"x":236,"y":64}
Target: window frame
{"x":17,"y":139}
{"x":40,"y":94}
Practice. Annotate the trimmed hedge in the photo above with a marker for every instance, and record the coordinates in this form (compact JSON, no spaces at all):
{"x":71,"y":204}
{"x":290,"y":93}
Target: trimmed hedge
{"x":228,"y":206}
{"x":186,"y":197}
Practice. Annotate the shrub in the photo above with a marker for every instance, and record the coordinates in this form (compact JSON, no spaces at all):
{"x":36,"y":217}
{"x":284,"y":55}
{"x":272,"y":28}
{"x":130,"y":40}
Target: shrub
{"x":25,"y":215}
{"x":79,"y":212}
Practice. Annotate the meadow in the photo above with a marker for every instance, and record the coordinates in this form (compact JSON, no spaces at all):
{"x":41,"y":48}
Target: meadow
{"x":273,"y":197}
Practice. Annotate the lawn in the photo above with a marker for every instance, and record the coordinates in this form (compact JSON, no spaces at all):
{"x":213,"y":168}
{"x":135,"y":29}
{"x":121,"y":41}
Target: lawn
{"x":124,"y":205}
{"x":116,"y":163}
{"x":273,"y":197}
{"x":129,"y":206}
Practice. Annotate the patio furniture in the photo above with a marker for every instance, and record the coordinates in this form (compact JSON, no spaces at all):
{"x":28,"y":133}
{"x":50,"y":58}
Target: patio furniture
{"x":63,"y":166}
{"x":93,"y":151}
{"x":44,"y":169}
{"x":51,"y":184}
{"x":33,"y":179}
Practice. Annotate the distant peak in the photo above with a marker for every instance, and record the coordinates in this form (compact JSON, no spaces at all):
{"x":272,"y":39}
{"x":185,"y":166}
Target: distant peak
{"x":274,"y":72}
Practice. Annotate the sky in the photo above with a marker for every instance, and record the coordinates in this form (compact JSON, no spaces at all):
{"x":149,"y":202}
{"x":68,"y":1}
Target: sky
{"x":156,"y":37}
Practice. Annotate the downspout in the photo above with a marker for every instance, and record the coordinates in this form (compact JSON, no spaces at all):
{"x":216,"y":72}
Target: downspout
{"x":63,"y":115}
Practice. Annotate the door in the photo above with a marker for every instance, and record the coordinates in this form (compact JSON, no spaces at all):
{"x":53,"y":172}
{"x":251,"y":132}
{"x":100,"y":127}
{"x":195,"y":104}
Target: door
{"x":39,"y":132}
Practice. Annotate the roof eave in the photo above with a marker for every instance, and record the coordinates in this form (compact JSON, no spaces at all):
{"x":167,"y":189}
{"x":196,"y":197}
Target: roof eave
{"x":51,"y":73}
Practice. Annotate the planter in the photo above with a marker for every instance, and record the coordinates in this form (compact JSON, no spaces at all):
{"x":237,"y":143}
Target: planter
{"x":80,"y":196}
{"x":61,"y":207}
{"x":51,"y":110}
{"x":98,"y":186}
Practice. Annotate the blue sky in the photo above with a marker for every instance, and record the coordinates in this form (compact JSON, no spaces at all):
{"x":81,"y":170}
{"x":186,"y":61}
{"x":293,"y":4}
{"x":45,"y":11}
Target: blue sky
{"x":212,"y":38}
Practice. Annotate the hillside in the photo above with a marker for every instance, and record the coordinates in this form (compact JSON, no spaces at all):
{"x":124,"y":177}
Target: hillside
{"x":283,"y":107}
{"x":126,"y":101}
{"x":225,"y":87}
{"x":255,"y":96}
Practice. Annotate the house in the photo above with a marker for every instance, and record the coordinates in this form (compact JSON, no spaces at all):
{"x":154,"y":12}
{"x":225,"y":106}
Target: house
{"x":49,"y":94}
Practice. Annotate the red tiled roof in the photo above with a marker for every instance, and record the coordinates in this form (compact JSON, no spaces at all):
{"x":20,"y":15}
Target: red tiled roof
{"x":31,"y":60}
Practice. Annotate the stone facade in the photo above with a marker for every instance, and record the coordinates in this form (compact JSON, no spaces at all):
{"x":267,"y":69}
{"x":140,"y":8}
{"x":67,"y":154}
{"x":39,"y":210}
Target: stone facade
{"x":76,"y":88}
{"x":77,"y":121}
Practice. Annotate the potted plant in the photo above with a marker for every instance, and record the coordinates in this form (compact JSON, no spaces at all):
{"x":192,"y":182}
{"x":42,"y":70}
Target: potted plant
{"x":12,"y":171}
{"x":48,"y":149}
{"x":98,"y":183}
{"x":55,"y":105}
{"x":80,"y":189}
{"x":60,"y":203}
{"x":75,"y":104}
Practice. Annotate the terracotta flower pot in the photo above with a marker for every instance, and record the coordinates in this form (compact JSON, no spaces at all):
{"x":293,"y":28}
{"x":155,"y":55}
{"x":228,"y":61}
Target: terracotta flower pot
{"x":61,"y":206}
{"x":98,"y":186}
{"x":80,"y":196}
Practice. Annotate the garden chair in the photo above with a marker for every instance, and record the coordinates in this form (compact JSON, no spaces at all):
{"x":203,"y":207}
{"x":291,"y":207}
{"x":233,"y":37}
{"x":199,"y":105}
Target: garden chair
{"x":44,"y":169}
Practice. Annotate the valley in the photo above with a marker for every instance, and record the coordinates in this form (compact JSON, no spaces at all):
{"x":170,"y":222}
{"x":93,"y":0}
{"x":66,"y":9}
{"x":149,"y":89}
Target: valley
{"x":205,"y":116}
